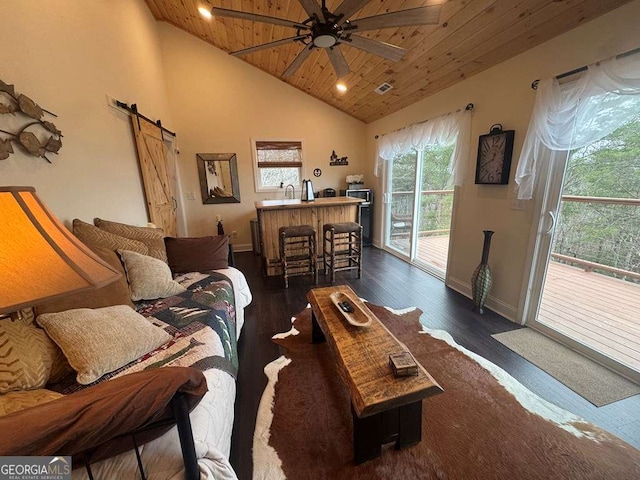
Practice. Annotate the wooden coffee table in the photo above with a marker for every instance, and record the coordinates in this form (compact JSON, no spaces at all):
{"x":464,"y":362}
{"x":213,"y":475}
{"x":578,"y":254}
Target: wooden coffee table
{"x":385,"y":408}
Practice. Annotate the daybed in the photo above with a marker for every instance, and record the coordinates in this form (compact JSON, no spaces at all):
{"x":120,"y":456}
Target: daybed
{"x":197,"y":324}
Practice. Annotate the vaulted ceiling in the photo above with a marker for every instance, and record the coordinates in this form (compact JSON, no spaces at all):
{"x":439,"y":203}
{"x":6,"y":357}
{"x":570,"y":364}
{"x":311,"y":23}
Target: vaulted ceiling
{"x":470,"y":36}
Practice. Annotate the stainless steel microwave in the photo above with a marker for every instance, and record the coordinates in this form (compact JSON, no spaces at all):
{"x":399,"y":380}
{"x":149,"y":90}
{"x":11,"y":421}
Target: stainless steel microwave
{"x":364,"y":193}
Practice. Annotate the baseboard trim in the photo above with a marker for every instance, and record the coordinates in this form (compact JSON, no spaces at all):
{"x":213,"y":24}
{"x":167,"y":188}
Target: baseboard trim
{"x":242,"y":247}
{"x":494,"y":304}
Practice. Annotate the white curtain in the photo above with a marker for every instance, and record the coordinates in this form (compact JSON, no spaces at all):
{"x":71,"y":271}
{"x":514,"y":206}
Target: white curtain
{"x":449,"y":129}
{"x":572,"y":115}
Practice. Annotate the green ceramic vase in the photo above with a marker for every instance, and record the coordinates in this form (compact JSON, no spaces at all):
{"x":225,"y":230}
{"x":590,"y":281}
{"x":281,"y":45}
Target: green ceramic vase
{"x":481,"y":279}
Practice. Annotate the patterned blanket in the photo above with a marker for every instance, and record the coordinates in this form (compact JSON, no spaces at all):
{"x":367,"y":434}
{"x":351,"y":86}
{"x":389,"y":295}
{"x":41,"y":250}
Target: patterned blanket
{"x":202,"y":322}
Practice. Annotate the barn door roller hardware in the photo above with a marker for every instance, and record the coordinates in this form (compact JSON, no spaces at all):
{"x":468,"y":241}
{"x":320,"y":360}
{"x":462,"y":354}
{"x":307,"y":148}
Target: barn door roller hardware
{"x":133,"y":108}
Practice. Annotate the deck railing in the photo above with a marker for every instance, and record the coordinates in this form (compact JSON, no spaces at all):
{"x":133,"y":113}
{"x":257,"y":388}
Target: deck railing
{"x":601,"y":234}
{"x":605,"y":239}
{"x":435,"y":212}
{"x":591,"y":266}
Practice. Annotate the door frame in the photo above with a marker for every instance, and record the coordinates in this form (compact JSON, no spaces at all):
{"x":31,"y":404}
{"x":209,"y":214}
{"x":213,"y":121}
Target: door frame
{"x":547,"y":198}
{"x":172,"y":156}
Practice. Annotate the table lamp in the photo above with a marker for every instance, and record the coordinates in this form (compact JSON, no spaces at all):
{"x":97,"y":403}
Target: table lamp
{"x":40,"y":260}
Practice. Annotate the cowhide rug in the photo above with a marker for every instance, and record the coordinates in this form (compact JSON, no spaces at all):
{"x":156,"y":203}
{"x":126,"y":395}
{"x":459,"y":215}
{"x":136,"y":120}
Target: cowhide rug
{"x":484,"y":426}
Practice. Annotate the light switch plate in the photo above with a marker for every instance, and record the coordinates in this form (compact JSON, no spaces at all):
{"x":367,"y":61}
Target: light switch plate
{"x":517,"y":204}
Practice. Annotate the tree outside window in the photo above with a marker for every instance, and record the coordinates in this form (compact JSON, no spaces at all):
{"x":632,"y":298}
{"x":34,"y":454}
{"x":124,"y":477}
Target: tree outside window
{"x":604,"y":232}
{"x":435,"y":210}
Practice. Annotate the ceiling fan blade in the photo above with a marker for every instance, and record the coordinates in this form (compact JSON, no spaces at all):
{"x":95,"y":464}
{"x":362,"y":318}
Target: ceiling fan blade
{"x":348,"y":8}
{"x":340,"y":65}
{"x":312,"y":8}
{"x":223,"y":12}
{"x":386,"y":50}
{"x":262,"y":46}
{"x":414,"y":16}
{"x":299,"y":60}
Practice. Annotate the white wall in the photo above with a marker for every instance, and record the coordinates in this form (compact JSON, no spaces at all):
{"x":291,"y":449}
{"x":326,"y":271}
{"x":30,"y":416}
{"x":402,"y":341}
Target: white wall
{"x":67,"y":56}
{"x":218,"y":103}
{"x":503,"y":95}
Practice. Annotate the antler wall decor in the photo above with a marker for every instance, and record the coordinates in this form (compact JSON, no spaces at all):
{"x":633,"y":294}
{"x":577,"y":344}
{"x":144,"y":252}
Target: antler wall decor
{"x":28,"y":140}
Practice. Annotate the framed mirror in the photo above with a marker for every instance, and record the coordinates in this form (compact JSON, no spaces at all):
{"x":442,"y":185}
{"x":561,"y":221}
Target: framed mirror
{"x":218,"y":177}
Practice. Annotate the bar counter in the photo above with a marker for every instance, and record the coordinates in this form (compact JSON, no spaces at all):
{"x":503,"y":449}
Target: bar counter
{"x":273,"y":214}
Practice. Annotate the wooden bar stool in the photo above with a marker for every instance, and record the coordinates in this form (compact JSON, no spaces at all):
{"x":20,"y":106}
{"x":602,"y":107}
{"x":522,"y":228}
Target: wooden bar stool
{"x":298,"y":251}
{"x":342,"y":248}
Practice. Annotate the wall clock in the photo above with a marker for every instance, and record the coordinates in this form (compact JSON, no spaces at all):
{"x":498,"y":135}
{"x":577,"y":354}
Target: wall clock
{"x":494,"y":156}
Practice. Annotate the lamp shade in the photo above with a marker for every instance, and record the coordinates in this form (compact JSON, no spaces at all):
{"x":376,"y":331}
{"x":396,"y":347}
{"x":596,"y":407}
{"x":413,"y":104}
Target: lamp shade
{"x":40,"y":260}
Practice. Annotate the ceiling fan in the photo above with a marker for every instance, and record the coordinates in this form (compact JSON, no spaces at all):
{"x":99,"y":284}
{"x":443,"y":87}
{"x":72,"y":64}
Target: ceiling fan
{"x":328,"y":30}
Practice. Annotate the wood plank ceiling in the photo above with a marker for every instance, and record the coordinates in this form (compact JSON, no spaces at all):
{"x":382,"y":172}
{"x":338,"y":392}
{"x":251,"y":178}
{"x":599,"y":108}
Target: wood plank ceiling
{"x":471,"y":36}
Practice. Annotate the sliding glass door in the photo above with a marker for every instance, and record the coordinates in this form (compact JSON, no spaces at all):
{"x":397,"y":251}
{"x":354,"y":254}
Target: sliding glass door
{"x":419,"y":202}
{"x":585,"y":286}
{"x":434,"y":210}
{"x":400,"y":204}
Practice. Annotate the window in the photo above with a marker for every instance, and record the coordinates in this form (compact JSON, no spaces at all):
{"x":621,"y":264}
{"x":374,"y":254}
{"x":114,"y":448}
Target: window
{"x":277,"y":163}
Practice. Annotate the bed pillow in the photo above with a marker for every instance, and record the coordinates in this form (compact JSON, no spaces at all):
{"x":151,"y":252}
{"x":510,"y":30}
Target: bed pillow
{"x":115,"y":293}
{"x":199,"y":254}
{"x":149,"y":278}
{"x":100,"y":341}
{"x":153,"y":238}
{"x":15,"y":401}
{"x":93,"y":236}
{"x":28,"y":358}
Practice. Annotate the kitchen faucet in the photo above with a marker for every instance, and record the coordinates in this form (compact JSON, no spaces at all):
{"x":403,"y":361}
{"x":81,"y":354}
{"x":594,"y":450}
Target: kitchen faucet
{"x":293,"y":191}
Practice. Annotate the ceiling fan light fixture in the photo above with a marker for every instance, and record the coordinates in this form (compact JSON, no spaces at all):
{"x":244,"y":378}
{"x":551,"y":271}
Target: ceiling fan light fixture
{"x":205,"y":11}
{"x":324,"y":40}
{"x":341,"y":87}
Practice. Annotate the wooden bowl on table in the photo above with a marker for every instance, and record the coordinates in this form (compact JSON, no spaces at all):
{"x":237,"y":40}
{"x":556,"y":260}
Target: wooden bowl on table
{"x":353,"y":311}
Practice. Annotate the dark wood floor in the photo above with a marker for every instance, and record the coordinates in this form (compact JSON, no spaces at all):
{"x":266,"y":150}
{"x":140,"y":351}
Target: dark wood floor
{"x":387,"y":280}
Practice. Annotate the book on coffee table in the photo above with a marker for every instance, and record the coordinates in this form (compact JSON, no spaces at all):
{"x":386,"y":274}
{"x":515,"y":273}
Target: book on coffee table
{"x":403,"y":364}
